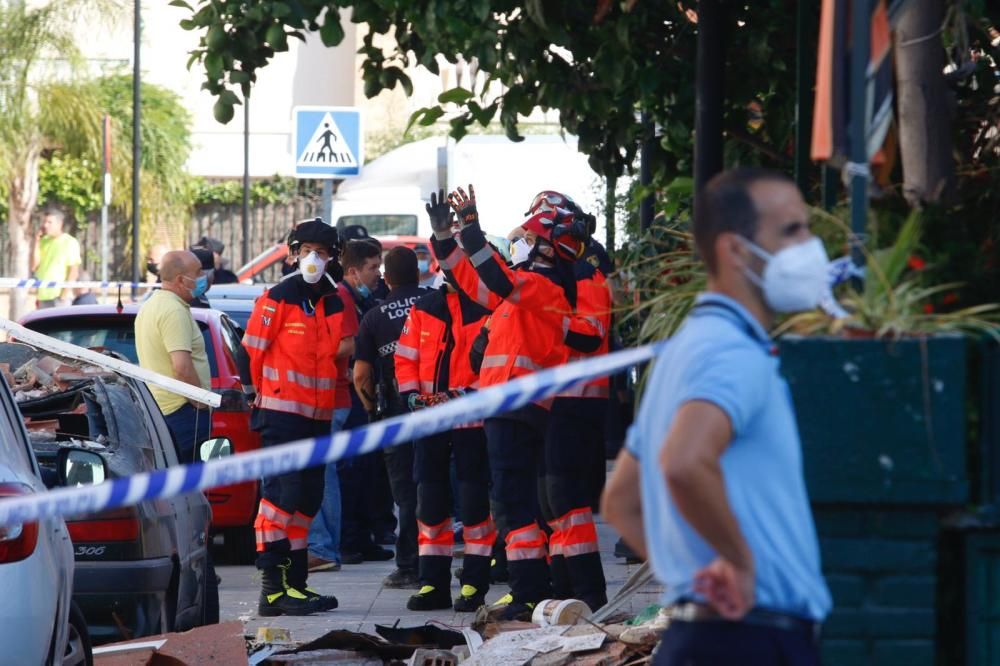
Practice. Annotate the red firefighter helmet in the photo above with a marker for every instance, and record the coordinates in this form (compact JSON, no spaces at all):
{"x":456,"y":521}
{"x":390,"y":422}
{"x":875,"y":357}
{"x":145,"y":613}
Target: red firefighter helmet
{"x":562,"y":229}
{"x":550,"y":200}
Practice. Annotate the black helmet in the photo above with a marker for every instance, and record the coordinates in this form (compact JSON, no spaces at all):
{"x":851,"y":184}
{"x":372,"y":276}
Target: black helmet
{"x":314,"y":231}
{"x":355,"y":232}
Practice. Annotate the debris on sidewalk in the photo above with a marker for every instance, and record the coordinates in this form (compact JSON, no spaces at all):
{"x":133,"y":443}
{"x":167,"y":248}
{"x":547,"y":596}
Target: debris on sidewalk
{"x":213,"y":644}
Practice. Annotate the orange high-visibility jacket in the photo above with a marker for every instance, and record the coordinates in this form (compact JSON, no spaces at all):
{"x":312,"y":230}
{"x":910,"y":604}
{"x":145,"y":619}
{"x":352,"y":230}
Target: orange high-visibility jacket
{"x":292,"y":337}
{"x":533,"y":323}
{"x":432,"y":354}
{"x":593,"y":304}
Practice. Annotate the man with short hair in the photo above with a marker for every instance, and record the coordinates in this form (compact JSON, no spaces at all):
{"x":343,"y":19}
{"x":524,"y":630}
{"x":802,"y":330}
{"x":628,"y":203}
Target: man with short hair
{"x":710,"y":486}
{"x":56,"y":259}
{"x":375,"y":382}
{"x":169,"y":342}
{"x":222,"y":274}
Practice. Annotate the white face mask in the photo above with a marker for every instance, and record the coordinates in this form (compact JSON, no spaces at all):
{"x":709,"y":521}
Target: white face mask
{"x":795,"y":278}
{"x":312,"y":267}
{"x":519,"y":251}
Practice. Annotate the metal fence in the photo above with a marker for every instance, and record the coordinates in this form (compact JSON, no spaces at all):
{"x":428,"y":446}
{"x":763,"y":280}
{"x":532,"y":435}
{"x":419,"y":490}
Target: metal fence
{"x":269,"y":224}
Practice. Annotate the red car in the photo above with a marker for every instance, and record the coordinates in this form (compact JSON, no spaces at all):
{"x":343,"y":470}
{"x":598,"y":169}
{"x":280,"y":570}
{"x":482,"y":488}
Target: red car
{"x":101,"y":326}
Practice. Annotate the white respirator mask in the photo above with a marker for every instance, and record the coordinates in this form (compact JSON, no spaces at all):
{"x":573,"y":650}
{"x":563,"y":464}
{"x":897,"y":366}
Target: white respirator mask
{"x":520,"y":250}
{"x":795,"y":278}
{"x":312,"y":267}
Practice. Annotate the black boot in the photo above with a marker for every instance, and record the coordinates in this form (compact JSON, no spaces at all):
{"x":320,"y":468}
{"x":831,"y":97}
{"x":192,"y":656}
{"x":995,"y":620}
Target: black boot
{"x":469,"y":599}
{"x":430,"y":598}
{"x":276,"y":599}
{"x":298,"y":573}
{"x":561,"y":586}
{"x":586,"y":573}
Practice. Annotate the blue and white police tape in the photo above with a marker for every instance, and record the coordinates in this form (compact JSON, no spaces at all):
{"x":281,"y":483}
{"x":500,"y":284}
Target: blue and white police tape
{"x":161,"y":484}
{"x":33,"y":284}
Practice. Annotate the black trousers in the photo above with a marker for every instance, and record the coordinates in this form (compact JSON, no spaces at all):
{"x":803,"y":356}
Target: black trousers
{"x":514,"y":445}
{"x":399,"y":465}
{"x":296,"y":494}
{"x":573,"y":441}
{"x":433,"y":457}
{"x":357,"y":480}
{"x":734,"y":644}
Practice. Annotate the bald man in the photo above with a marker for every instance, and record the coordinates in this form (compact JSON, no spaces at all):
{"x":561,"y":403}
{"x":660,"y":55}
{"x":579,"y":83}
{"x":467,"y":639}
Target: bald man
{"x":169,"y":342}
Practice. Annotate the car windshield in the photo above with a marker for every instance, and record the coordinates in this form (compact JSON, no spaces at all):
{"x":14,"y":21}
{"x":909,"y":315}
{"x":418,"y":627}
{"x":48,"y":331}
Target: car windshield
{"x":115,"y":334}
{"x":382,"y":225}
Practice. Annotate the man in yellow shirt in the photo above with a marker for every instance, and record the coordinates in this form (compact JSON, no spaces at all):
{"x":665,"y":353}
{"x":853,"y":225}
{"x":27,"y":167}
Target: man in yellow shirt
{"x":169,"y":342}
{"x":56,"y":259}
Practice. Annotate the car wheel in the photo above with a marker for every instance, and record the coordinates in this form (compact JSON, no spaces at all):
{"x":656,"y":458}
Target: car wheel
{"x":78,"y":648}
{"x":240,"y":545}
{"x":210,"y":595}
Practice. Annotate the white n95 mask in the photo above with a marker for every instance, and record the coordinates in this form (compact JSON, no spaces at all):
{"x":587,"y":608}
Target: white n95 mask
{"x":795,"y":278}
{"x":520,"y":250}
{"x":312,"y":267}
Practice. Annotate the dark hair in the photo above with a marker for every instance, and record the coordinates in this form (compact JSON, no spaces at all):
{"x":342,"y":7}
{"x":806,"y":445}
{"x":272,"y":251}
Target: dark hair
{"x":726,"y":206}
{"x":357,"y":252}
{"x":401,"y":267}
{"x":54,"y":211}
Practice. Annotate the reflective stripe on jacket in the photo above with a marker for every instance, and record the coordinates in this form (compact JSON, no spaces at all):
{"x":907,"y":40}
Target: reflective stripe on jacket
{"x":292,"y":338}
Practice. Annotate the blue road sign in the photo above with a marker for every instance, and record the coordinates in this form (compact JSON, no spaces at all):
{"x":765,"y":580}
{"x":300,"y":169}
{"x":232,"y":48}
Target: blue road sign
{"x":328,"y":141}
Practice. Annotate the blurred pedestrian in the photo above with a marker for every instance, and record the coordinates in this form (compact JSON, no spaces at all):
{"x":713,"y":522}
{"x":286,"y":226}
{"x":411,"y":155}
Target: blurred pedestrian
{"x":222,"y":274}
{"x":56,"y":258}
{"x":153,"y":259}
{"x":710,"y":485}
{"x":169,"y":342}
{"x":84,"y":295}
{"x":428,"y":279}
{"x":207,"y":262}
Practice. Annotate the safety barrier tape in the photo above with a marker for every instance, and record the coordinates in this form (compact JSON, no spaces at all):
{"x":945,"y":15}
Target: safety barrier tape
{"x":15,"y":283}
{"x":50,"y":344}
{"x":163,"y":484}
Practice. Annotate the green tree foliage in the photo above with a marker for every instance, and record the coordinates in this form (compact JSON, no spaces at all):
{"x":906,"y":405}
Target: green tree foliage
{"x":596,"y":62}
{"x":71,"y":181}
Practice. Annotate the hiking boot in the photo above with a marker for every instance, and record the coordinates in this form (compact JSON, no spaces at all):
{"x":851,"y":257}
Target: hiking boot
{"x":402,"y":579}
{"x":429,"y":598}
{"x":506,"y":609}
{"x":316,"y":564}
{"x":286,"y":602}
{"x":348,"y":557}
{"x":322,"y":601}
{"x":469,"y":600}
{"x":378,"y":554}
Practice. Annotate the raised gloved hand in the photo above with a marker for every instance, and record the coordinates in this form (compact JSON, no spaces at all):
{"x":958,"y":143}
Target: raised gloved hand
{"x":441,"y":216}
{"x":464,"y":206}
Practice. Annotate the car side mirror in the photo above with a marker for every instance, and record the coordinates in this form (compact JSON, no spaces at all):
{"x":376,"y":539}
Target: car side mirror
{"x":80,"y":467}
{"x":217,"y":447}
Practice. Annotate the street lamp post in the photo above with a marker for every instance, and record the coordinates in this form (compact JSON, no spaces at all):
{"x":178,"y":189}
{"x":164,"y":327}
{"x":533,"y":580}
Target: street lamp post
{"x":136,"y":144}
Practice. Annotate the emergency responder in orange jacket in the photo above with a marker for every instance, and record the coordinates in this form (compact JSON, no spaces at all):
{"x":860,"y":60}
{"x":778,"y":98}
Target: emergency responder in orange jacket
{"x":574,"y":441}
{"x":432,"y":366}
{"x":293,"y":338}
{"x":532,"y":327}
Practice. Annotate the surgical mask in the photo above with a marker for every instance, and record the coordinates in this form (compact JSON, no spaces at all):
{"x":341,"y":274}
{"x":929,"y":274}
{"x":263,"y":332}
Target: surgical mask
{"x":795,"y":278}
{"x":200,"y":286}
{"x":520,"y":251}
{"x":423,"y":265}
{"x":312,"y":267}
{"x":364,"y":291}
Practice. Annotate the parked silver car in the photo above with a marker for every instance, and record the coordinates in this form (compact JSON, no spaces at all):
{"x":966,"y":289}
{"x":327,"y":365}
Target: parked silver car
{"x":39,"y":624}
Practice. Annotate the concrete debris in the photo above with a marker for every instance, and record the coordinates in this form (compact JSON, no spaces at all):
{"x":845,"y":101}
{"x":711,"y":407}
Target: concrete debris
{"x":425,"y":657}
{"x":214,"y":644}
{"x":43,"y":375}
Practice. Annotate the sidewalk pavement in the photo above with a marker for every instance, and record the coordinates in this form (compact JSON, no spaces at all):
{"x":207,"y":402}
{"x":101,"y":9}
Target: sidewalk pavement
{"x":365,"y":603}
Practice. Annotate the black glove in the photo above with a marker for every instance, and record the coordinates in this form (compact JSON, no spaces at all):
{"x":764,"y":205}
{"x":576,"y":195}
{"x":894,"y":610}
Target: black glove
{"x":441,"y":216}
{"x":464,"y":206}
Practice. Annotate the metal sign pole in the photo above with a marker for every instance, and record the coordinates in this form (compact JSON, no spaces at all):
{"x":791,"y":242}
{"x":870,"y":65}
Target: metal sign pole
{"x":105,"y":250}
{"x":857,"y":167}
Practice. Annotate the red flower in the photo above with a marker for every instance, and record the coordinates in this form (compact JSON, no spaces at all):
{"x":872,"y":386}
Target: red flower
{"x":916,"y":263}
{"x":928,"y":308}
{"x":949,"y":298}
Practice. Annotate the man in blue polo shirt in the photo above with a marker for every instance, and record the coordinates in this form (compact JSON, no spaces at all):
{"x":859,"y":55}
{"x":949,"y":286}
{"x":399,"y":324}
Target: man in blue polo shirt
{"x":710,"y":487}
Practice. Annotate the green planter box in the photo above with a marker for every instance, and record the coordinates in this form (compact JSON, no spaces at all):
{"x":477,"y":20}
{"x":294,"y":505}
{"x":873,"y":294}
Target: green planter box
{"x":881,"y":422}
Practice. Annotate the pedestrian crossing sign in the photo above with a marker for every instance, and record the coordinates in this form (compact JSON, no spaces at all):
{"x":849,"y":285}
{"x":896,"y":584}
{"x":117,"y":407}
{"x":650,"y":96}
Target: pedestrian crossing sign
{"x":327,"y":141}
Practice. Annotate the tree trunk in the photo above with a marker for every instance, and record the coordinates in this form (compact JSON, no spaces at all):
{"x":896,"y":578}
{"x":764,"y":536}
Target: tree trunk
{"x":22,"y":200}
{"x":924,"y":104}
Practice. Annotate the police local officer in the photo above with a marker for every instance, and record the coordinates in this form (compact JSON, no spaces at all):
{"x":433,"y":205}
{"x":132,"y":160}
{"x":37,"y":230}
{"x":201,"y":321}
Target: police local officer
{"x":375,"y":382}
{"x":432,"y":366}
{"x":531,"y":325}
{"x":293,"y":337}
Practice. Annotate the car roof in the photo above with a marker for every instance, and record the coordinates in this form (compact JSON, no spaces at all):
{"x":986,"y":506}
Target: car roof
{"x":205,"y":315}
